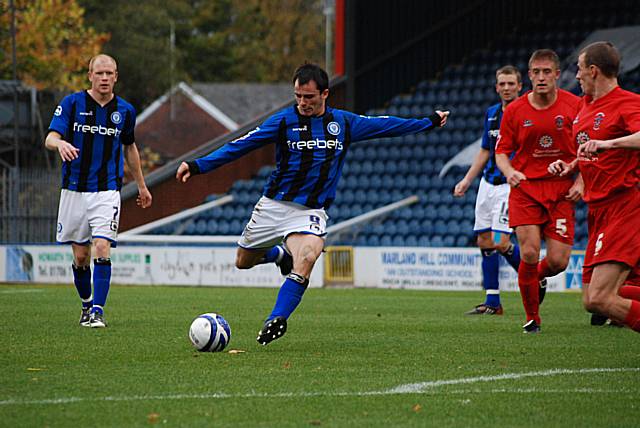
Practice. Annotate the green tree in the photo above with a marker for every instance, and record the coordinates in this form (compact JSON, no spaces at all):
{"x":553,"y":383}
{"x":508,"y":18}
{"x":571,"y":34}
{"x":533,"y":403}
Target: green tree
{"x":140,"y":44}
{"x":53,"y":44}
{"x":272,"y":37}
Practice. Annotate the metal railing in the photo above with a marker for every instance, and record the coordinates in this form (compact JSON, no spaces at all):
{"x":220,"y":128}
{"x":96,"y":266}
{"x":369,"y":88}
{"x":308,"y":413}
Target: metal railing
{"x":28,"y":205}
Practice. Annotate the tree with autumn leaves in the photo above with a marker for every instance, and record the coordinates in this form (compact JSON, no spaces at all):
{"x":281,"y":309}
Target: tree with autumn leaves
{"x":53,"y":43}
{"x":215,"y":40}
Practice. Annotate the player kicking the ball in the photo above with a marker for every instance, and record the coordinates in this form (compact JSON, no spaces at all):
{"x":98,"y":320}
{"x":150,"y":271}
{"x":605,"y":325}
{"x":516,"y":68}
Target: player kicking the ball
{"x":288,"y":223}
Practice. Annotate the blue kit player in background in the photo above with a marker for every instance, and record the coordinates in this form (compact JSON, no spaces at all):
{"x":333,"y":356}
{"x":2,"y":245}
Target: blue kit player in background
{"x":288,"y":224}
{"x":93,"y":133}
{"x":492,"y":203}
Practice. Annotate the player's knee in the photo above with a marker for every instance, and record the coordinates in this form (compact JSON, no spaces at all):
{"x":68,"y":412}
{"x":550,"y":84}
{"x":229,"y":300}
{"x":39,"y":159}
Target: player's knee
{"x":243,"y":262}
{"x":102,"y":247}
{"x":529,"y":254}
{"x":558,"y":264}
{"x":81,"y":259}
{"x":599,"y":302}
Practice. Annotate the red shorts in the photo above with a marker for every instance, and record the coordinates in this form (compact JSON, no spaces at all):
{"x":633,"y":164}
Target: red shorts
{"x":543,"y":202}
{"x":614,"y":234}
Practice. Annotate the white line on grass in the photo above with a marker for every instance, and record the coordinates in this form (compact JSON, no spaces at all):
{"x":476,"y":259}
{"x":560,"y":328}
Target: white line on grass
{"x":21,"y":290}
{"x":412,"y":388}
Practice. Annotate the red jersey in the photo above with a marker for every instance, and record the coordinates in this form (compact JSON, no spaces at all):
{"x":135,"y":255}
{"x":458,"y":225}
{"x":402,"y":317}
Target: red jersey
{"x":615,"y":115}
{"x":538,"y":137}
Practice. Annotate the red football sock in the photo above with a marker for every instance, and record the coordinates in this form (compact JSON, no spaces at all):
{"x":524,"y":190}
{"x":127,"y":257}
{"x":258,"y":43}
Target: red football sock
{"x":528,"y":283}
{"x":630,"y":292}
{"x":633,"y":317}
{"x":543,"y":269}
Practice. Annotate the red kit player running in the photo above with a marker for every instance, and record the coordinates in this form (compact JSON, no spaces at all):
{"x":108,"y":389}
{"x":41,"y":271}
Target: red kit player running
{"x":607,"y":130}
{"x":536,"y":128}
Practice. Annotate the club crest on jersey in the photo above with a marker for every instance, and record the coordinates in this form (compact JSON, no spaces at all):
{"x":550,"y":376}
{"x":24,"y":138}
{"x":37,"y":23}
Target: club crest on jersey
{"x":582,"y":137}
{"x":527,"y":123}
{"x":559,"y":120}
{"x":116,"y":117}
{"x":597,"y":121}
{"x":546,"y":141}
{"x":58,"y":111}
{"x":333,"y":128}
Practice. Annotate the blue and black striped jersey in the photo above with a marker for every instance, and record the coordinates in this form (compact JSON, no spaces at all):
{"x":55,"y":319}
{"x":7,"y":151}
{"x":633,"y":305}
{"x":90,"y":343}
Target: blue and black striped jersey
{"x":99,"y":132}
{"x":492,"y":120}
{"x":310,"y":151}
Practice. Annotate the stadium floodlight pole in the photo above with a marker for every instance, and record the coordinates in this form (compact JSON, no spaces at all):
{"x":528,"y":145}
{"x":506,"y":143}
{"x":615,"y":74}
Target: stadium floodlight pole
{"x":329,"y":13}
{"x":172,"y":47}
{"x":14,"y":73}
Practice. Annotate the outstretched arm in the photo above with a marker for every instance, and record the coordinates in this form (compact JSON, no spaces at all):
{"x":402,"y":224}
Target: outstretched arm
{"x":593,"y":147}
{"x":367,"y":127}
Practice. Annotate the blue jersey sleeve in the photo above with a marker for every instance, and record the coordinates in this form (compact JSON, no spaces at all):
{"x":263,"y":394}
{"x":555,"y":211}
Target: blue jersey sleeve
{"x":485,"y":133}
{"x":62,"y":116}
{"x":264,"y":134}
{"x":367,"y":127}
{"x":128,"y":134}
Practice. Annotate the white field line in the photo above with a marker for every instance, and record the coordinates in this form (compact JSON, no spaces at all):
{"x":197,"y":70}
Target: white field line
{"x":21,"y":290}
{"x":413,"y":388}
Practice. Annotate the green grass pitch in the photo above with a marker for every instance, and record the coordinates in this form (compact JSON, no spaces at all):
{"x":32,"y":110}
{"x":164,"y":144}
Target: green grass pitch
{"x":351,"y":357}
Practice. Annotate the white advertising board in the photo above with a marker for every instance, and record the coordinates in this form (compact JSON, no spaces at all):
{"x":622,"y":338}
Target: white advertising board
{"x":431,"y":269}
{"x":146,"y":265}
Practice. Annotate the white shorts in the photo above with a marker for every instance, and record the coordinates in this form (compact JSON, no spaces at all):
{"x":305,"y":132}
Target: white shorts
{"x":492,"y":208}
{"x":83,"y":216}
{"x":272,"y":221}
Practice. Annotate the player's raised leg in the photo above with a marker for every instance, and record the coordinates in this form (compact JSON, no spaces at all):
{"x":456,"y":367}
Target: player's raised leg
{"x":305,"y":250}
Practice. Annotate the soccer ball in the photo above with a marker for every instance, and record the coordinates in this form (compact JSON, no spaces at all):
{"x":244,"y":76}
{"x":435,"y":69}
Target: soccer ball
{"x":210,"y":333}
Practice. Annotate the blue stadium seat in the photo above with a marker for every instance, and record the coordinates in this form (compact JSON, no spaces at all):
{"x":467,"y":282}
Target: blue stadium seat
{"x":201,"y":227}
{"x":436,"y":241}
{"x":440,"y":227}
{"x":426,"y":227}
{"x":411,"y":241}
{"x":212,"y":227}
{"x":386,"y":241}
{"x":223,"y":227}
{"x":449,"y":241}
{"x":424,"y":241}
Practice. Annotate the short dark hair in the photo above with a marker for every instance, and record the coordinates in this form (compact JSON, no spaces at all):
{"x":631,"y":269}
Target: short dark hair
{"x":547,"y":54}
{"x":308,"y":72}
{"x":604,"y":56}
{"x":509,"y":69}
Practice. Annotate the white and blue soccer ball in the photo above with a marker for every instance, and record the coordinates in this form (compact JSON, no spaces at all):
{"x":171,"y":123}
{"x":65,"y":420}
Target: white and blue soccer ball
{"x":210,"y":333}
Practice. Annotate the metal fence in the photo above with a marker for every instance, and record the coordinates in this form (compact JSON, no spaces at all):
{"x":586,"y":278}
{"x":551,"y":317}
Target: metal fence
{"x":28,"y":205}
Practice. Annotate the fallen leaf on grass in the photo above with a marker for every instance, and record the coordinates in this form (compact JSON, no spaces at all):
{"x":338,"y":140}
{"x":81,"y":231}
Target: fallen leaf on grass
{"x":416,"y":408}
{"x":236,"y":351}
{"x":286,"y":365}
{"x":35,"y":369}
{"x":153,"y":418}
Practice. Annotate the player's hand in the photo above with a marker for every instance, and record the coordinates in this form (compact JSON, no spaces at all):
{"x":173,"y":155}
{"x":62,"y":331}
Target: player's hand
{"x":576,"y":191}
{"x":443,"y":117}
{"x":559,"y":168}
{"x":68,"y":152}
{"x":461,"y":188}
{"x":144,"y":198}
{"x":591,"y":148}
{"x":183,"y":173}
{"x":515,"y":178}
